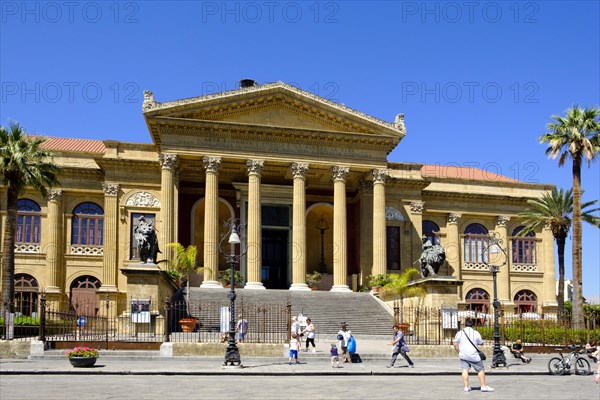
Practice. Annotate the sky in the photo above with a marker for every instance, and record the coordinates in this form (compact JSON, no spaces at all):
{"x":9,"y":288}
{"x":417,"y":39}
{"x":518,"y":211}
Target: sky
{"x":476,"y":80}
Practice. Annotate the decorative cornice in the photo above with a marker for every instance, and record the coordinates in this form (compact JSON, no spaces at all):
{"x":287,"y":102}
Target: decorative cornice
{"x":255,"y":167}
{"x":380,"y":175}
{"x":502,"y":220}
{"x":392,"y":214}
{"x":151,"y":105}
{"x":143,"y":199}
{"x":299,"y":170}
{"x":55,"y":195}
{"x":416,"y":207}
{"x":340,"y":173}
{"x":110,"y":189}
{"x":167,"y":160}
{"x":453,"y":218}
{"x":212,"y":163}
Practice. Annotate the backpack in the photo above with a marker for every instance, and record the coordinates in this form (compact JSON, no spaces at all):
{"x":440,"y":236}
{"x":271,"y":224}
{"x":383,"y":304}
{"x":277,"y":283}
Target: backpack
{"x":340,"y":336}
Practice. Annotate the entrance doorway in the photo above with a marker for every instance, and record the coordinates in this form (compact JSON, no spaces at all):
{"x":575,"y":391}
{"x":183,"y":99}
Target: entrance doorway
{"x":275,"y":258}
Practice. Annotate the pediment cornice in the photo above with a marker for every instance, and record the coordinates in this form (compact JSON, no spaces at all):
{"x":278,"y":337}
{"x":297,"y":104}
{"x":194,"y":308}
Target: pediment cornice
{"x":244,"y":100}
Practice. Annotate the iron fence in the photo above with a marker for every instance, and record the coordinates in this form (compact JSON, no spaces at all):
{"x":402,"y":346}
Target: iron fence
{"x":427,"y":325}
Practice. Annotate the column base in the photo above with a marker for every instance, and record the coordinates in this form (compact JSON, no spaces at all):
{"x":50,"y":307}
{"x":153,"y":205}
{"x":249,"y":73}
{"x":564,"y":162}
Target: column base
{"x":211,"y":285}
{"x":299,"y":286}
{"x":340,"y":288}
{"x":254,"y":286}
{"x":53,"y":289}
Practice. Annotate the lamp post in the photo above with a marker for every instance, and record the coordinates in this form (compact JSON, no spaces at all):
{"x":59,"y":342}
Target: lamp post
{"x":236,"y":235}
{"x":322,"y":225}
{"x":494,"y":256}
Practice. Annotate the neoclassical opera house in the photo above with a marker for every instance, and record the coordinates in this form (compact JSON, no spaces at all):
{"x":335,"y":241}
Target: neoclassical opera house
{"x":310,"y":179}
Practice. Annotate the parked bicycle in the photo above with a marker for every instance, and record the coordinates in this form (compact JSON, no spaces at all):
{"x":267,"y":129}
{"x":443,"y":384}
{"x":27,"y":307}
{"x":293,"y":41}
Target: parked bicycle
{"x":562,"y":365}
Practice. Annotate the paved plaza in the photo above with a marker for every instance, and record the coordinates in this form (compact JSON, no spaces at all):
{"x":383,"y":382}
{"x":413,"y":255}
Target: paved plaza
{"x":273,"y":378}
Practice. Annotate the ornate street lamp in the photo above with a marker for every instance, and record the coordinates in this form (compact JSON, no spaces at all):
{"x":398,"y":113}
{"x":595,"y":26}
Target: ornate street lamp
{"x":322,"y":225}
{"x":494,"y":256}
{"x":236,"y":235}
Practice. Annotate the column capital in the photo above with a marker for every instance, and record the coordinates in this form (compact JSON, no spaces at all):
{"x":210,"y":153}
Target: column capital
{"x":110,"y":189}
{"x":366,"y":187}
{"x":168,"y":160}
{"x":255,"y":167}
{"x":453,"y":218}
{"x":502,"y":220}
{"x":380,"y":175}
{"x":55,"y":195}
{"x":340,"y":173}
{"x":416,"y":207}
{"x":299,"y":169}
{"x":212,"y":163}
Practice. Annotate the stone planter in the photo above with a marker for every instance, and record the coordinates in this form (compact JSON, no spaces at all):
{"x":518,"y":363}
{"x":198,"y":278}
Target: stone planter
{"x":82,"y":362}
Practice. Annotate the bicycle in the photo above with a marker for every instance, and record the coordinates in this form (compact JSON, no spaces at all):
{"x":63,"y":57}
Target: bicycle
{"x":560,"y":365}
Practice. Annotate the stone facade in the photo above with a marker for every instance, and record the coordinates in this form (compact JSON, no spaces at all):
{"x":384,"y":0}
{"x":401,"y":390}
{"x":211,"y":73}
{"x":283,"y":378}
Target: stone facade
{"x":281,"y":160}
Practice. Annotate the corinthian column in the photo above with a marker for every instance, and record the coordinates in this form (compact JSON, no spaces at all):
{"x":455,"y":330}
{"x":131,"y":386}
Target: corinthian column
{"x":109,"y":281}
{"x":54,"y":264}
{"x":340,"y":256}
{"x":168,"y":163}
{"x":546,"y":264}
{"x":503,"y":275}
{"x":299,"y":171}
{"x":452,"y":247}
{"x":379,"y":242}
{"x":211,"y":222}
{"x":254,"y":255}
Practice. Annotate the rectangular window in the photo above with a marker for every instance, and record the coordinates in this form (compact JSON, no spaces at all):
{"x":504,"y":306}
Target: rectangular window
{"x":135,"y":219}
{"x":393,"y":247}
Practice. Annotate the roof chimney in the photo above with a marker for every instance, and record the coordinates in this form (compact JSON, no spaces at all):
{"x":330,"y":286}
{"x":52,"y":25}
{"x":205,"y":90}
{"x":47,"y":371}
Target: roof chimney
{"x":244,"y":83}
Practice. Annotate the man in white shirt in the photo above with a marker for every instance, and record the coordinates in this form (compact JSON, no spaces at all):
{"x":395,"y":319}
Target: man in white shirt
{"x":464,"y":344}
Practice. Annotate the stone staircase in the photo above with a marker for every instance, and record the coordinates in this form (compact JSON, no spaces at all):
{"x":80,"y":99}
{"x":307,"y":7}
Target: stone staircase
{"x":364,"y":314}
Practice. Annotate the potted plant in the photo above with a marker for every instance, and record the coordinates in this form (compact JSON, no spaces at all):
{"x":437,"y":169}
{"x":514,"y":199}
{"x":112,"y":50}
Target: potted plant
{"x":180,"y":270}
{"x":313,"y":279}
{"x":82,"y":356}
{"x":225,"y":277}
{"x":378,"y":281}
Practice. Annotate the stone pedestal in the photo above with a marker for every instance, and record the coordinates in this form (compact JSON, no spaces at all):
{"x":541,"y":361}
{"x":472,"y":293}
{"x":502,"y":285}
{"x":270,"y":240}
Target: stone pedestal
{"x":441,"y":290}
{"x":147,"y":281}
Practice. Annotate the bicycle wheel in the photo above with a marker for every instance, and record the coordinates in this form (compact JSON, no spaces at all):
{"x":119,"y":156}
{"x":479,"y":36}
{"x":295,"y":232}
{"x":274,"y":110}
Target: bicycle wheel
{"x":555,"y":366}
{"x":582,"y":366}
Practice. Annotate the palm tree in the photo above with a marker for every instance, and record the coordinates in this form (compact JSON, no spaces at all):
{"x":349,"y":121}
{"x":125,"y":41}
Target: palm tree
{"x":23,"y":163}
{"x":399,"y":286}
{"x":576,"y":136}
{"x":555,"y":209}
{"x":183,"y":265}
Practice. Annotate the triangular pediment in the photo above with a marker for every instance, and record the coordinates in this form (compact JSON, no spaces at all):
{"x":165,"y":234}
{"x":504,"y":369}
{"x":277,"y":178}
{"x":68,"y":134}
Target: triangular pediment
{"x":275,"y":105}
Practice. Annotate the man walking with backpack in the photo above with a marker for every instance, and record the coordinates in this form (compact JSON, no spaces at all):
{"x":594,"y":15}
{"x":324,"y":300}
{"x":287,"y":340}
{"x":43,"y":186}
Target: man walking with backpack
{"x":465,"y":344}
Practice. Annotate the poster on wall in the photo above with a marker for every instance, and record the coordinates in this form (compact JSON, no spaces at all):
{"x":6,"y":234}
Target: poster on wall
{"x":140,"y":311}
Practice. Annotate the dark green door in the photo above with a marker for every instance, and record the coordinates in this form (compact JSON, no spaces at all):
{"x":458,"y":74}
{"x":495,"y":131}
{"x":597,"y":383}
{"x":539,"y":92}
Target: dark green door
{"x":275,"y":258}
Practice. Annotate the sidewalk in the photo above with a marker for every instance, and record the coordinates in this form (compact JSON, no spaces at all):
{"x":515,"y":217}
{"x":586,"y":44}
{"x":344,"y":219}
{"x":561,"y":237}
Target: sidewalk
{"x":260,"y":366}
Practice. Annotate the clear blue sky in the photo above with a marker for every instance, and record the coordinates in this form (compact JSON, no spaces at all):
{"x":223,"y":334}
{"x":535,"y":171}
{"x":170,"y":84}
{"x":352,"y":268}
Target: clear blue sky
{"x":477,"y":81}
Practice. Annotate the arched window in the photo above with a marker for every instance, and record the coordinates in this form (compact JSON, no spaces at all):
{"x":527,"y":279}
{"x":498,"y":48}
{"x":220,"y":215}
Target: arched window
{"x":432,"y":231}
{"x":26,"y":295}
{"x":523,"y":247}
{"x":88,"y":225}
{"x":28,"y":221}
{"x":476,"y":238}
{"x":478,"y":300}
{"x":526,"y":301}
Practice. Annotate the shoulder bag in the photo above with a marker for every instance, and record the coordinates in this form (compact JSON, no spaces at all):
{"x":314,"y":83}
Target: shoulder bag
{"x":481,"y":353}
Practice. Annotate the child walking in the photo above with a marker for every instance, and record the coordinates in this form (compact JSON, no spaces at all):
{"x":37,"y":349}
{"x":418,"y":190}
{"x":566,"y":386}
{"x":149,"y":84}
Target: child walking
{"x":335,"y":359}
{"x":293,"y":349}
